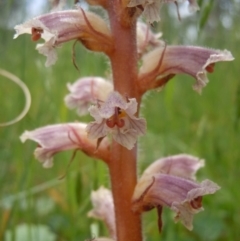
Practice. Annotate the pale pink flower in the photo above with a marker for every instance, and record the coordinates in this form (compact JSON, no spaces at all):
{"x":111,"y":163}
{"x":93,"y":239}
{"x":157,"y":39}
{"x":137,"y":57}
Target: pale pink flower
{"x":181,"y":195}
{"x":61,"y":137}
{"x":59,"y":27}
{"x":170,"y":60}
{"x":103,"y":209}
{"x":86,"y":91}
{"x":169,"y":182}
{"x":117,"y":117}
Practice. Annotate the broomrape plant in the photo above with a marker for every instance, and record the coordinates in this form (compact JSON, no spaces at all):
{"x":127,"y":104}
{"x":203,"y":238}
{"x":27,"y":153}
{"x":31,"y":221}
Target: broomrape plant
{"x":113,"y":134}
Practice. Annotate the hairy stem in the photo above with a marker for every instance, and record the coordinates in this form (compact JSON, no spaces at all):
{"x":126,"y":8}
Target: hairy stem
{"x":122,"y":165}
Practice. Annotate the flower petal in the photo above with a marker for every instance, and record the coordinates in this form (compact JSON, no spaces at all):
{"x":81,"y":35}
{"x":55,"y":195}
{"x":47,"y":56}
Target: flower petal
{"x":49,"y":51}
{"x":114,"y":100}
{"x":126,"y":138}
{"x":96,"y":129}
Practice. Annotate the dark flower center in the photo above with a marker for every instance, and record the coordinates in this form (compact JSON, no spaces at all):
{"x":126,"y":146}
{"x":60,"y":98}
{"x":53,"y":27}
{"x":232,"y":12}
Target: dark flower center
{"x":36,"y":34}
{"x":115,"y":119}
{"x":196,"y":203}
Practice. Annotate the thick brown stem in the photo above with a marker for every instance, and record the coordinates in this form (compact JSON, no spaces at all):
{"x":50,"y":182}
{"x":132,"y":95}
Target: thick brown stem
{"x":122,"y":165}
{"x":123,"y":179}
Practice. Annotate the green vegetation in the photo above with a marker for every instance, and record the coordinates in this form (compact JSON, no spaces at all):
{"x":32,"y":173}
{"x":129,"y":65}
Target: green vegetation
{"x":179,"y":120}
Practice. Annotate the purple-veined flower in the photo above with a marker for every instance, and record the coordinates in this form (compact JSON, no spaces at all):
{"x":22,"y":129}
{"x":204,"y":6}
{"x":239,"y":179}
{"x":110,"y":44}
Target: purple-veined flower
{"x":61,"y":137}
{"x":59,"y":27}
{"x":168,"y":183}
{"x":86,"y":91}
{"x":170,"y":60}
{"x":117,"y":117}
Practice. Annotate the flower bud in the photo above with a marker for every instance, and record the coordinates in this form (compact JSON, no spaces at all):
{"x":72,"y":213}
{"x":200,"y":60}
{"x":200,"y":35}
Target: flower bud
{"x":86,"y":91}
{"x":103,"y":209}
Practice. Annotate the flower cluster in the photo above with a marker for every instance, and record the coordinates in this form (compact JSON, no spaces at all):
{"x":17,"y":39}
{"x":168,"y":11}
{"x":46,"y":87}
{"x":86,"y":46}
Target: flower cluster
{"x":114,"y":116}
{"x":167,"y":182}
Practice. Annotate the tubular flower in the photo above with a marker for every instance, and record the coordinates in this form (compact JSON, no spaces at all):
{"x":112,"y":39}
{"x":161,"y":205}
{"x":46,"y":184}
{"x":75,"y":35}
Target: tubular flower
{"x":181,"y":195}
{"x":191,"y":60}
{"x":62,"y":26}
{"x":170,"y":182}
{"x":61,"y":137}
{"x":86,"y":91}
{"x":103,"y":209}
{"x":151,"y":8}
{"x":116,"y":116}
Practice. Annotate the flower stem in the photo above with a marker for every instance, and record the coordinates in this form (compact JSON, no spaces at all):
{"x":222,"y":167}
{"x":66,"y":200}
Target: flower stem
{"x":123,"y":179}
{"x":122,"y":165}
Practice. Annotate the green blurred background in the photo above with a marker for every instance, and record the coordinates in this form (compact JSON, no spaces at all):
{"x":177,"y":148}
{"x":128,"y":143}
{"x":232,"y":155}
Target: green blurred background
{"x":36,"y":206}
